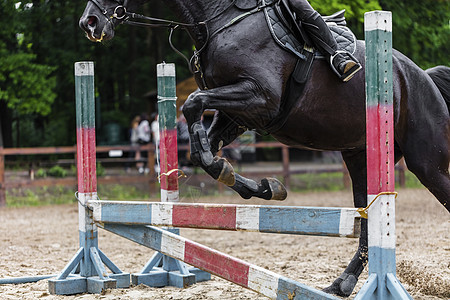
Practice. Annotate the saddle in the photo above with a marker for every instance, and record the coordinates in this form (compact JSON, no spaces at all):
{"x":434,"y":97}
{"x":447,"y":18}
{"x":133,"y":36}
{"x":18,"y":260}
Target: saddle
{"x":290,"y":36}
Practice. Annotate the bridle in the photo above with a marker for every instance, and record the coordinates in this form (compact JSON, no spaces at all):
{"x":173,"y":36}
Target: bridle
{"x":121,"y":14}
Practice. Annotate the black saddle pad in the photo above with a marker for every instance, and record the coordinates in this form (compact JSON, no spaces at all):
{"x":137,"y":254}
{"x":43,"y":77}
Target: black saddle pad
{"x":286,"y":39}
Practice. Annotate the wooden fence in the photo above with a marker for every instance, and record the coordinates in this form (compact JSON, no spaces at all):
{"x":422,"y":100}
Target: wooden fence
{"x":286,"y":172}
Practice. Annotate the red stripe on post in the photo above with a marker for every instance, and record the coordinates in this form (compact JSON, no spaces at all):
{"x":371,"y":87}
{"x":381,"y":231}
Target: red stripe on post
{"x":169,"y":159}
{"x":211,"y":217}
{"x":380,"y":158}
{"x":86,"y":152}
{"x":219,"y":264}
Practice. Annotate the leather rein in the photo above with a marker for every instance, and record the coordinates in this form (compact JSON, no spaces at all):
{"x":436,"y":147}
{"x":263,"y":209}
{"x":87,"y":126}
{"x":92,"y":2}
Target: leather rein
{"x":121,"y":14}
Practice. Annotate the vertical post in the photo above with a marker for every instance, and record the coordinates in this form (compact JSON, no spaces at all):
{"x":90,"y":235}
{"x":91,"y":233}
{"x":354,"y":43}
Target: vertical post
{"x":86,"y":160}
{"x":162,"y":270}
{"x":89,"y":260}
{"x":382,"y":282}
{"x":2,"y":178}
{"x":168,"y":148}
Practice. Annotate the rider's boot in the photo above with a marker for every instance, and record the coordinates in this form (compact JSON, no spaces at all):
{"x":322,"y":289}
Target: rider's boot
{"x":342,"y":63}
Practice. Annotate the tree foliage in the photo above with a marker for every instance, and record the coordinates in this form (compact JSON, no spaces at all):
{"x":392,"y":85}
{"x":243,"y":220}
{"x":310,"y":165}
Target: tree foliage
{"x":421,"y":30}
{"x":26,"y":86}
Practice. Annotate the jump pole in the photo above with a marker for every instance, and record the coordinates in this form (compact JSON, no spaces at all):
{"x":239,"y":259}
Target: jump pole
{"x":163,"y":270}
{"x":86,"y":271}
{"x":382,"y":283}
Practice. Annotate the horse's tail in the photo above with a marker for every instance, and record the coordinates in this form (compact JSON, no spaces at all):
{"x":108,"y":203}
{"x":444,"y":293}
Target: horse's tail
{"x":441,"y":77}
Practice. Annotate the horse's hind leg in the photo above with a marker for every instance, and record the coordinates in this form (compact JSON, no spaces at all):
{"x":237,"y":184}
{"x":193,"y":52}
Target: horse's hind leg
{"x":429,"y":160}
{"x":343,"y":286}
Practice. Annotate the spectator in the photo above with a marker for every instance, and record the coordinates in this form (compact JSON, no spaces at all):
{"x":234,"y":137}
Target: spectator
{"x":133,"y":135}
{"x":155,"y":138}
{"x":143,"y":135}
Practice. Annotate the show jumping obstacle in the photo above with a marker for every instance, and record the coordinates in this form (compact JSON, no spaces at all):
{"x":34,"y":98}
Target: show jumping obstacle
{"x":132,"y":220}
{"x":382,"y":282}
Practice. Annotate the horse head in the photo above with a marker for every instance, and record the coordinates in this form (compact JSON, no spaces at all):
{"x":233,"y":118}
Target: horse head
{"x":100,"y":17}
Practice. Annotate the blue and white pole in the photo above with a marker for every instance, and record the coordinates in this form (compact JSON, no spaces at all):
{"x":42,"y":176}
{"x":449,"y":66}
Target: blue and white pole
{"x":382,"y":283}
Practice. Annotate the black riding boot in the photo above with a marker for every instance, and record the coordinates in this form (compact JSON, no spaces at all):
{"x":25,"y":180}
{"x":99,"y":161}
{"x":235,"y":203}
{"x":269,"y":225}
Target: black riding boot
{"x":342,"y":63}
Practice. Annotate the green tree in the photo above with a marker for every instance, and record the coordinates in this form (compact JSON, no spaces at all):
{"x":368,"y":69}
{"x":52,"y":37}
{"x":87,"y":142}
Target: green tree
{"x":26,"y":87}
{"x":354,"y":11}
{"x":421,"y":30}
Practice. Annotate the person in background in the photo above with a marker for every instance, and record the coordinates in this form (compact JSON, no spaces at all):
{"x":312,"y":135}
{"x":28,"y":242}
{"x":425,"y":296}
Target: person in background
{"x":154,"y":127}
{"x":133,"y":135}
{"x":143,"y":135}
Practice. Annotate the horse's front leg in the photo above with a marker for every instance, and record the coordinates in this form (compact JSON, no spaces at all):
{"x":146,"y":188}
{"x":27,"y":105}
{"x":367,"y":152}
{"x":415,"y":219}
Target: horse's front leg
{"x":202,"y":153}
{"x":344,"y":285}
{"x":240,"y":101}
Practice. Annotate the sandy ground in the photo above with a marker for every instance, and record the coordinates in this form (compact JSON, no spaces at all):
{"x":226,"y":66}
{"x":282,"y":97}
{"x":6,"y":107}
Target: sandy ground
{"x":39,"y":241}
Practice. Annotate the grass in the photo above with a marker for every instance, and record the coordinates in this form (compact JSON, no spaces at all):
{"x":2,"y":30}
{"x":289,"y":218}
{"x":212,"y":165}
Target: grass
{"x":317,"y":182}
{"x":66,"y":195}
{"x":323,"y":182}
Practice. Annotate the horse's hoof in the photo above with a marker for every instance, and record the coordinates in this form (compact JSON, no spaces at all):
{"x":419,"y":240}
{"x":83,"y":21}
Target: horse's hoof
{"x":348,"y":285}
{"x":277,"y":189}
{"x":343,"y":286}
{"x":226,"y":175}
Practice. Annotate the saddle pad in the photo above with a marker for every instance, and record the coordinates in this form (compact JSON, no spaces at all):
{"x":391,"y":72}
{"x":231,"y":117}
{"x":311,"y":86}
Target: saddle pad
{"x":284,"y":37}
{"x":344,"y":37}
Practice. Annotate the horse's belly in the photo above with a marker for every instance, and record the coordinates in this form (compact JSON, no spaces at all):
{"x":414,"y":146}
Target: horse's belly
{"x":322,"y":133}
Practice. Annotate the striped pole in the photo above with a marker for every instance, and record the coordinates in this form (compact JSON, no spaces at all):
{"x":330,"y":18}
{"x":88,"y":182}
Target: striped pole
{"x":162,"y":270}
{"x":86,"y":272}
{"x":168,"y":148}
{"x":247,"y":275}
{"x":326,"y":221}
{"x":86,"y":160}
{"x":382,"y":282}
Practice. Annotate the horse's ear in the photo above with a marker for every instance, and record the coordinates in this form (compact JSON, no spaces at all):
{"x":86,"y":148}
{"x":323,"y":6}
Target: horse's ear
{"x":246,"y":4}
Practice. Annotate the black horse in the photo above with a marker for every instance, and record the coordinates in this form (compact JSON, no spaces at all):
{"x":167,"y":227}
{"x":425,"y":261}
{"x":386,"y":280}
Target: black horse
{"x":243,"y":73}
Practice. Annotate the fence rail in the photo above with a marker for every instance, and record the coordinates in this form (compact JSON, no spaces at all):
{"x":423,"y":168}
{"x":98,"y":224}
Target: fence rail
{"x":285,"y":172}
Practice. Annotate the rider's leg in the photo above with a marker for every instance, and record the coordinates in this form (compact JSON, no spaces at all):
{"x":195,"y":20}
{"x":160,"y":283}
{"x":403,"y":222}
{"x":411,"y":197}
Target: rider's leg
{"x":344,"y":65}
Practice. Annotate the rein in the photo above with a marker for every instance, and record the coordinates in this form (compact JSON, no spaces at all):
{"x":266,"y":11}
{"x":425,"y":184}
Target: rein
{"x":172,"y":25}
{"x":121,"y":14}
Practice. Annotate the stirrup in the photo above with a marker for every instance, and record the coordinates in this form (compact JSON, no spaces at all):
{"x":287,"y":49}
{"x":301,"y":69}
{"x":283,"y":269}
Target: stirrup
{"x":348,"y":74}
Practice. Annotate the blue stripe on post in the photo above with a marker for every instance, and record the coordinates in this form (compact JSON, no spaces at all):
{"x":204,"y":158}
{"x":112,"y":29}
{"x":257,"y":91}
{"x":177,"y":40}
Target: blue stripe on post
{"x":382,"y":260}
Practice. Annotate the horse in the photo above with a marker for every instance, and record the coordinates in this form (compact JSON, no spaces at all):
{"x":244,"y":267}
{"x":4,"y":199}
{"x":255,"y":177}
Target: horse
{"x":243,"y":74}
